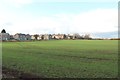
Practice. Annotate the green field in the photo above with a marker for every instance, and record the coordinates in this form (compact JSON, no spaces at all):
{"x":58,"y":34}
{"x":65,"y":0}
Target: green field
{"x":63,"y":58}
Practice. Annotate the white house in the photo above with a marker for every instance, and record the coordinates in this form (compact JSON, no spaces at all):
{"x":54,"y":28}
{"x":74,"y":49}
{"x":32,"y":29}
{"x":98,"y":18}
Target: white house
{"x":4,"y":36}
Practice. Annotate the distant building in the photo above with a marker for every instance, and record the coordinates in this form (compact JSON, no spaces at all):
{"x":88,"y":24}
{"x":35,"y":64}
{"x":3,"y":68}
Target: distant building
{"x":35,"y":37}
{"x":47,"y":36}
{"x":58,"y":36}
{"x":4,"y":36}
{"x":22,"y":37}
{"x":32,"y":37}
{"x":71,"y":36}
{"x":28,"y":37}
{"x":11,"y":37}
{"x":41,"y":37}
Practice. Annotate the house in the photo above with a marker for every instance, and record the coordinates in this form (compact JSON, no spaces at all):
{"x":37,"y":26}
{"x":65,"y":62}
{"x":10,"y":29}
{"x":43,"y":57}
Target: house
{"x":58,"y":36}
{"x":71,"y":36}
{"x":28,"y":37}
{"x":11,"y":37}
{"x":35,"y":37}
{"x":4,"y":36}
{"x":41,"y":37}
{"x":47,"y":36}
{"x":32,"y":37}
{"x":22,"y":37}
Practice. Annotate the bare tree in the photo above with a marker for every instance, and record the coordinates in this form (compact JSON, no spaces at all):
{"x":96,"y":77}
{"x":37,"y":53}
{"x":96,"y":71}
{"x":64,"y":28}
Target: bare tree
{"x":42,"y":37}
{"x":87,"y":36}
{"x":77,"y":35}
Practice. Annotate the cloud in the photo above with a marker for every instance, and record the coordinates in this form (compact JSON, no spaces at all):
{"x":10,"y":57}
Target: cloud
{"x":17,"y":3}
{"x":94,"y":21}
{"x":100,"y":20}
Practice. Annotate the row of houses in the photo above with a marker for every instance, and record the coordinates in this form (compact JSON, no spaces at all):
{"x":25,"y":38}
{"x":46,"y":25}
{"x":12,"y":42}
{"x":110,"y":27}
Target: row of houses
{"x":48,"y":36}
{"x":22,"y":37}
{"x":18,"y":36}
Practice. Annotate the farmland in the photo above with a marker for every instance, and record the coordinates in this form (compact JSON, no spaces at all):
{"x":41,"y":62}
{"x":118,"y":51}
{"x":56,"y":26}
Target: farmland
{"x":63,"y":58}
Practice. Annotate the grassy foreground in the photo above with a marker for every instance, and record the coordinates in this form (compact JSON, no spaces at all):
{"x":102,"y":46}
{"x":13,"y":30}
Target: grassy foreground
{"x":63,"y":58}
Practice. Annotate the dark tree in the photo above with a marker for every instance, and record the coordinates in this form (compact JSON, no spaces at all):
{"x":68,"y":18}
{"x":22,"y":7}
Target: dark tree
{"x":65,"y":36}
{"x":42,"y":37}
{"x":36,"y":36}
{"x":3,"y":31}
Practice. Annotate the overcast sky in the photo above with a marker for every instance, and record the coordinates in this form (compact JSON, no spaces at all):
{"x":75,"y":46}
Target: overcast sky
{"x":60,"y":16}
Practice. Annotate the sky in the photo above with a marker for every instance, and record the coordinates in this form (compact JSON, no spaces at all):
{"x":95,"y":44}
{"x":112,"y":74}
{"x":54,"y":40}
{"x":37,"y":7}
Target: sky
{"x":98,"y":18}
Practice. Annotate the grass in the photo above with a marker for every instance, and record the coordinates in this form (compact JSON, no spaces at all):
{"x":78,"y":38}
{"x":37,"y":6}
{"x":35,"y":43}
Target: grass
{"x":63,"y":58}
